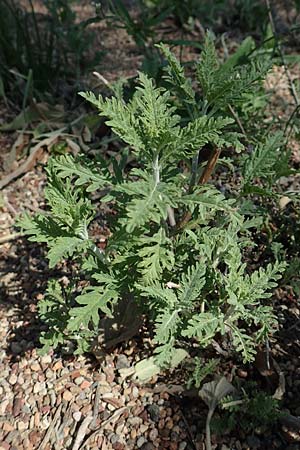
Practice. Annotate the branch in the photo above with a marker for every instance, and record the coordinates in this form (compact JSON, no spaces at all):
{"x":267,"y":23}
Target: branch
{"x":208,"y":170}
{"x":51,"y":428}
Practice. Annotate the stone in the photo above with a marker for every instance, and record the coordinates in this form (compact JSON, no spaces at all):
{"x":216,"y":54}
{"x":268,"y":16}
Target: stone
{"x":46,"y":359}
{"x":7,"y":427}
{"x":173,"y":446}
{"x":3,"y":405}
{"x":122,"y":362}
{"x":37,"y":419}
{"x":35,"y":367}
{"x":118,"y":446}
{"x":140,"y":442}
{"x":135,"y":392}
{"x":12,"y":436}
{"x":77,"y":416}
{"x":22,"y":426}
{"x":153,"y":434}
{"x":182,"y":445}
{"x":144,"y":428}
{"x":78,"y":380}
{"x":174,"y":436}
{"x":147,"y":446}
{"x":165,"y":432}
{"x":134,"y":421}
{"x":154,"y":412}
{"x":169,"y":424}
{"x":17,"y":406}
{"x":133,"y":433}
{"x":110,"y":375}
{"x":67,"y":396}
{"x":57,"y":366}
{"x":27,"y":444}
{"x":39,"y":387}
{"x":49,"y":374}
{"x":86,"y":409}
{"x":4,"y":445}
{"x":13,"y":379}
{"x":85,"y":384}
{"x":114,"y":438}
{"x":21,"y":380}
{"x":242,"y":373}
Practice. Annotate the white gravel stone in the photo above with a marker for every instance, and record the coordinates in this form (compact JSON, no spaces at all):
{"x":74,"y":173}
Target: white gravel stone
{"x":46,"y":359}
{"x":77,"y":416}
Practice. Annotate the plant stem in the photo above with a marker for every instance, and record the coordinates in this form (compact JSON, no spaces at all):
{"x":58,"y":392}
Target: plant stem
{"x":211,"y":164}
{"x":156,"y":172}
{"x":237,"y":119}
{"x":208,"y":170}
{"x":207,"y":429}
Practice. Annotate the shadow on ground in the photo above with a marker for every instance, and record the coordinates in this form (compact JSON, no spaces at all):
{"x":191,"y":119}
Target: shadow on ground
{"x":24,"y":275}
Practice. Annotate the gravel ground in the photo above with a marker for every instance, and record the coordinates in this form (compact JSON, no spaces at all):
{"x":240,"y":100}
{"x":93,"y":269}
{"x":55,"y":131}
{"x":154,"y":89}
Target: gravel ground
{"x":50,"y":403}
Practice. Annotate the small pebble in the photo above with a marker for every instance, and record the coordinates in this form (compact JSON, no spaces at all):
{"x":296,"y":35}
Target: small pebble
{"x":133,"y":433}
{"x":78,"y":380}
{"x":114,"y":438}
{"x":35,"y":367}
{"x":57,"y":366}
{"x":182,"y":445}
{"x":122,"y":362}
{"x":67,"y":396}
{"x":4,"y":445}
{"x":153,"y":435}
{"x":85,"y":384}
{"x":13,"y":379}
{"x":154,"y":412}
{"x":22,"y":426}
{"x":141,"y":440}
{"x":135,"y":392}
{"x":46,"y":359}
{"x":147,"y":446}
{"x":49,"y":374}
{"x":77,"y":416}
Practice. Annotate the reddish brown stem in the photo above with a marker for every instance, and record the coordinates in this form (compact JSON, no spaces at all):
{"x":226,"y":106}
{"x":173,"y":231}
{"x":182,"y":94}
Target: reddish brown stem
{"x":211,"y":164}
{"x":209,"y":168}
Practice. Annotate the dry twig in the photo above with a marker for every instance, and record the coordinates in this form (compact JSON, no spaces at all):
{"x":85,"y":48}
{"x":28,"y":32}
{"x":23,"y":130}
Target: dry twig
{"x":96,"y":405}
{"x":82,"y":432}
{"x":113,"y":418}
{"x":189,"y":431}
{"x":51,"y":428}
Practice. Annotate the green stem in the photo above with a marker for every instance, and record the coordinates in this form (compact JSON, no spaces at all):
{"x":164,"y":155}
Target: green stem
{"x":156,"y":171}
{"x":207,"y":429}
